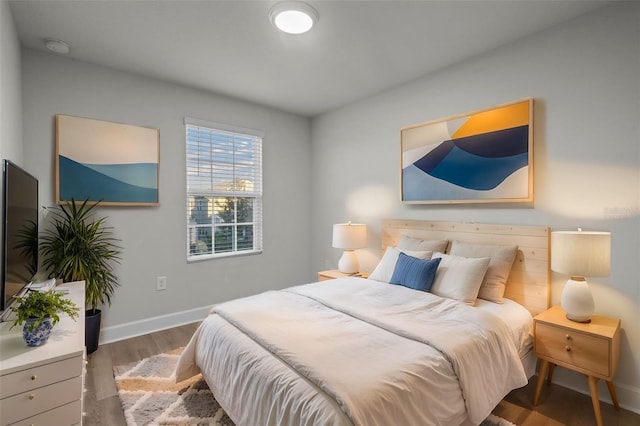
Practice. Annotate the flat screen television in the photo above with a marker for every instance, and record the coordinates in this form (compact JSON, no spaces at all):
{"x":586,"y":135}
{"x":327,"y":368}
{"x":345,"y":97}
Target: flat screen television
{"x":19,"y":232}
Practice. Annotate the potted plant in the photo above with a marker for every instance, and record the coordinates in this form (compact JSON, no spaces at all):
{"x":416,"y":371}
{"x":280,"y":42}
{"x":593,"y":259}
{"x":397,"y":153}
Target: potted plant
{"x":39,"y":311}
{"x":77,"y":246}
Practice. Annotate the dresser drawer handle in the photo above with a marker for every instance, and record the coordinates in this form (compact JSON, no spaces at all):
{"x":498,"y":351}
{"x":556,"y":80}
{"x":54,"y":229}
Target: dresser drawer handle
{"x":34,"y":377}
{"x":567,"y":348}
{"x":567,"y":337}
{"x":32,"y":397}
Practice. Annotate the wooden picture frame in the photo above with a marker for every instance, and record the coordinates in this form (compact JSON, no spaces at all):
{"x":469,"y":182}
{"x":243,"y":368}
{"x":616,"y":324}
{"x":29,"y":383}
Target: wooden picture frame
{"x":116,"y":164}
{"x":484,"y":156}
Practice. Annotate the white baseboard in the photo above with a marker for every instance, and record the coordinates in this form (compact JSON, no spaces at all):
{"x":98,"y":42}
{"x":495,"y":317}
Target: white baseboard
{"x":150,"y":325}
{"x":628,"y":396}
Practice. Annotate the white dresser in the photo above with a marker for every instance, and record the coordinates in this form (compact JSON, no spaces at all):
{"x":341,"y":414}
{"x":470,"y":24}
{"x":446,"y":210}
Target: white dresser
{"x":44,"y":385}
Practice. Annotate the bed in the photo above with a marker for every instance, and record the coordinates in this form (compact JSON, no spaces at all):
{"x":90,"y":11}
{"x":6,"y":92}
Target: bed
{"x":357,"y":351}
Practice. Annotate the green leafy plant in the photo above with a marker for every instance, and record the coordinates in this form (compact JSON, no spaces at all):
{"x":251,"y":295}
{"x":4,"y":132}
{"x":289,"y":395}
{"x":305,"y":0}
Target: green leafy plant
{"x":27,"y":243}
{"x":43,"y":305}
{"x":77,"y":246}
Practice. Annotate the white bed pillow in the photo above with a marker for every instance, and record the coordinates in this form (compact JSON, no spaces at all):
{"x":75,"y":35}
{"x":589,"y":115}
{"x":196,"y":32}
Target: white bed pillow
{"x":410,"y":243}
{"x":459,"y":277}
{"x":495,"y":280}
{"x":386,"y":266}
{"x":417,"y":244}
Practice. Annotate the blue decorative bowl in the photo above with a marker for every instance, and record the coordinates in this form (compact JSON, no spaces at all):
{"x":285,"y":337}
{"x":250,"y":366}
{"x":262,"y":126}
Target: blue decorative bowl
{"x":39,"y":335}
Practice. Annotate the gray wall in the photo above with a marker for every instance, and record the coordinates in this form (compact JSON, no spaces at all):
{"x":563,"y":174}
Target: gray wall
{"x":585,"y":78}
{"x":153,"y":238}
{"x":10,"y":94}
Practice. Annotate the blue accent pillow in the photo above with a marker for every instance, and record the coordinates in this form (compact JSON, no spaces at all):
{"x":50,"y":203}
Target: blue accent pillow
{"x":414,"y":273}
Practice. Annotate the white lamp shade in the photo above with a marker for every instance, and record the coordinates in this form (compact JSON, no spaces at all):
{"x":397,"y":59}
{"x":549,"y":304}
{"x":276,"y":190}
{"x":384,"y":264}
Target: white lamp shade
{"x":349,"y":236}
{"x":580,"y":253}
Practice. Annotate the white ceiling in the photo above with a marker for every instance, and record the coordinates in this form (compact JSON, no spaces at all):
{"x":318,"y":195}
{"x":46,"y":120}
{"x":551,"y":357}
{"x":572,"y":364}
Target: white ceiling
{"x":357,"y":49}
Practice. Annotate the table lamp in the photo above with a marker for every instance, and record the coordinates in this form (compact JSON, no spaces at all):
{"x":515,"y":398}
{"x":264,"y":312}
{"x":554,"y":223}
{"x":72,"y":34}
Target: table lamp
{"x":580,"y":254}
{"x":349,"y":236}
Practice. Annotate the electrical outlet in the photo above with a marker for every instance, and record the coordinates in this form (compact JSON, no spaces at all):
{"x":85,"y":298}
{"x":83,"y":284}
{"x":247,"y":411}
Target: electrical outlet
{"x":161,"y":283}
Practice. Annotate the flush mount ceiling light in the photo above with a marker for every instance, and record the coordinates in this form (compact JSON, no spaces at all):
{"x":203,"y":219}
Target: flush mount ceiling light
{"x":293,"y":17}
{"x":57,"y":46}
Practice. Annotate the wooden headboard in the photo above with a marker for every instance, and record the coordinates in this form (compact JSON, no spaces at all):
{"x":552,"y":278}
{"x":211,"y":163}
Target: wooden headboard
{"x":530,"y":277}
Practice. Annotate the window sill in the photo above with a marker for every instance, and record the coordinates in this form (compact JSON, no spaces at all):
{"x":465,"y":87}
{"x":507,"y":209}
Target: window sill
{"x":194,"y":259}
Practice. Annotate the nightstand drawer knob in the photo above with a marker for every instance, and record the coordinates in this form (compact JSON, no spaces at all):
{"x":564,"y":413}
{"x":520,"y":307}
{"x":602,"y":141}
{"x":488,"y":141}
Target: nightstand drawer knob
{"x":567,"y":337}
{"x":32,"y":397}
{"x":34,"y":377}
{"x":567,"y":348}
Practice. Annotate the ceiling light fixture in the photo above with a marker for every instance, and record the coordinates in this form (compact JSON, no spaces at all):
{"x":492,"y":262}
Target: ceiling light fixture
{"x":57,"y":46}
{"x":293,"y":17}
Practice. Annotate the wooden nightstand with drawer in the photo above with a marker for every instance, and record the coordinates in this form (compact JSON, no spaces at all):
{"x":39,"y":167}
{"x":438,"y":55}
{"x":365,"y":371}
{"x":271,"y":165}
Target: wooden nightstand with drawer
{"x":590,"y":348}
{"x":332,"y":274}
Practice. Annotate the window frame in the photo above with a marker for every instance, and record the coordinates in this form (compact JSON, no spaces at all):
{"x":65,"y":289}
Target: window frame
{"x":257,"y":221}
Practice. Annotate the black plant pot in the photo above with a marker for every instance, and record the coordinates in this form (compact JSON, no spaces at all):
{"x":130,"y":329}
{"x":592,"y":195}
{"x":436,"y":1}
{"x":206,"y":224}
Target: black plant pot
{"x":92,"y":319}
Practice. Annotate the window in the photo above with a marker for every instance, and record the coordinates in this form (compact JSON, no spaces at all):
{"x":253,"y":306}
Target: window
{"x":224,"y":190}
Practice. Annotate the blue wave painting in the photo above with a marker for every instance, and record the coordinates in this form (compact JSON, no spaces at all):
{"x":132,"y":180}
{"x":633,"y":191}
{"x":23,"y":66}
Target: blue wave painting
{"x":118,"y":183}
{"x":419,"y":185}
{"x":478,"y":162}
{"x":481,"y":156}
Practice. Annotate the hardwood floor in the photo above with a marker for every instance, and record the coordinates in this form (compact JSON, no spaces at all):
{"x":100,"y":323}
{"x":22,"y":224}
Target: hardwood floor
{"x":558,"y":405}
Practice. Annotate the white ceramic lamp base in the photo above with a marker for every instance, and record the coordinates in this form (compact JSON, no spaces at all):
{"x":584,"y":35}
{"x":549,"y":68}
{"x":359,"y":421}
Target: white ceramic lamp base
{"x":348,"y":263}
{"x":577,"y":300}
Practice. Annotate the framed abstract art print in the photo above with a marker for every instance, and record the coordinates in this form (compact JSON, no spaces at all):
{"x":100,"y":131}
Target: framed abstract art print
{"x":485,"y":156}
{"x":116,"y":164}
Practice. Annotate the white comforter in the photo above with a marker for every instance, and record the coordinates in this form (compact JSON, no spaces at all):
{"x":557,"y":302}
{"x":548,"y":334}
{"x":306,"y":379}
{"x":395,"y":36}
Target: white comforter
{"x":353,"y":351}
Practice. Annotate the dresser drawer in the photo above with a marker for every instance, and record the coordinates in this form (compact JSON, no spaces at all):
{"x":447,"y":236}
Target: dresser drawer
{"x":67,"y":415}
{"x":582,"y":352}
{"x":36,"y":401}
{"x":33,"y":378}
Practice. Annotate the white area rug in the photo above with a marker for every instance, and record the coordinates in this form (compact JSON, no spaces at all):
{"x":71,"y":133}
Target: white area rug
{"x":150,"y":396}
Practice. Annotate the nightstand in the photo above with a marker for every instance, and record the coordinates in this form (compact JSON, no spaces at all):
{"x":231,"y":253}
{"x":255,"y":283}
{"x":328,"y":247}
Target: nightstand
{"x":332,"y":274}
{"x":590,"y":348}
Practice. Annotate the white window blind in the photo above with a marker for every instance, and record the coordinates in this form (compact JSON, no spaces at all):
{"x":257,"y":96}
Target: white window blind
{"x":224,"y":190}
